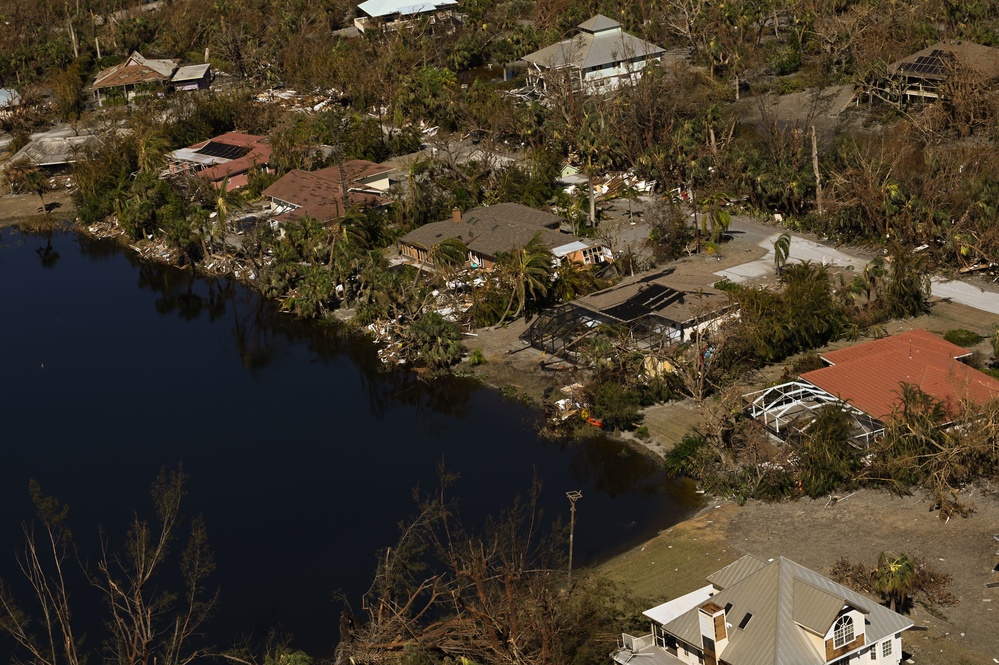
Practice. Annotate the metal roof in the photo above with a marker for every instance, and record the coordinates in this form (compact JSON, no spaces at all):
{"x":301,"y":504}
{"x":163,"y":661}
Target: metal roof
{"x":599,"y":23}
{"x":595,"y":47}
{"x":191,"y":72}
{"x":763,"y":609}
{"x":673,"y":608}
{"x":376,"y":8}
{"x":736,"y":571}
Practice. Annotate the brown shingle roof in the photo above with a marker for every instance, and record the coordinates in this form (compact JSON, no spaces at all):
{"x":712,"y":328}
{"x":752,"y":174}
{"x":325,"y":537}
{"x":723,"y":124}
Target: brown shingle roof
{"x":491,"y":229}
{"x":137,"y":69}
{"x":870,"y":375}
{"x":931,"y":62}
{"x":319,"y":194}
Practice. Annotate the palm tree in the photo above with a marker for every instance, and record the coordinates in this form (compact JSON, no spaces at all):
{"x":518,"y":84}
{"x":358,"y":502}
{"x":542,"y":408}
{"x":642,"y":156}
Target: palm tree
{"x":895,"y":578}
{"x":527,"y":271}
{"x":782,"y":250}
{"x":152,"y":149}
{"x":227,"y":201}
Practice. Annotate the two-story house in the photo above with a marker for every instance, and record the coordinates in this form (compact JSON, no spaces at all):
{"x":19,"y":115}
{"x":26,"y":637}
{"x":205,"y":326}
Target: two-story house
{"x":776,"y":612}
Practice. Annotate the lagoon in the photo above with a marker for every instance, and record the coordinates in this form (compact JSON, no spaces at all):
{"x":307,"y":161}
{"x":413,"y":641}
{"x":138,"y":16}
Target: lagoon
{"x":301,"y":455}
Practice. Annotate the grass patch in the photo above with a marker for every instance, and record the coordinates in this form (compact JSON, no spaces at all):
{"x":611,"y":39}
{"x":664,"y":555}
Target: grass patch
{"x":676,"y":561}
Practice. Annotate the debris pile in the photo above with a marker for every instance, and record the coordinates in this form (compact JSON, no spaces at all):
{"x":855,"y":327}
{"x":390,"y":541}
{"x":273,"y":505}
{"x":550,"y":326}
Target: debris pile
{"x":305,"y":102}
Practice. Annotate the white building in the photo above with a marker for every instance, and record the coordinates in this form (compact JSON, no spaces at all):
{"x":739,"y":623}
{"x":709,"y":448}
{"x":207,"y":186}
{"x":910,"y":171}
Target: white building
{"x":600,"y":57}
{"x":758,"y":612}
{"x":393,"y":14}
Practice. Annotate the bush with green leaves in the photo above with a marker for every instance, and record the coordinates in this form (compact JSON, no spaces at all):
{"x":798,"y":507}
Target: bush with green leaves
{"x":962,"y":337}
{"x":617,"y":406}
{"x":827,"y":459}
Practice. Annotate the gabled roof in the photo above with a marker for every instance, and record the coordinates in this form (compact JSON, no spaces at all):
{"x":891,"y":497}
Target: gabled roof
{"x":781,"y":600}
{"x":191,"y":73}
{"x":600,"y":43}
{"x":136,"y":69}
{"x":869,"y":376}
{"x":376,"y":8}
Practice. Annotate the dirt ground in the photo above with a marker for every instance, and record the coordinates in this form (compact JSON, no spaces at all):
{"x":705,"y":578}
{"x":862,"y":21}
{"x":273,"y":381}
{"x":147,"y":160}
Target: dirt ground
{"x":858,"y":527}
{"x":16,"y":209}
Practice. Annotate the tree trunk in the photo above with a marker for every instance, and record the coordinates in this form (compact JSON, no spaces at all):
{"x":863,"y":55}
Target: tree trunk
{"x":818,"y":174}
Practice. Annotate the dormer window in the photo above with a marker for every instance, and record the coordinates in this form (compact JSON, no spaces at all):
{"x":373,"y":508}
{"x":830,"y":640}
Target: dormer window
{"x":843,"y":631}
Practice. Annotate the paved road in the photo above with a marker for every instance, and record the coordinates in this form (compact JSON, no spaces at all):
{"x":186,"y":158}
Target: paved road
{"x":982,"y":296}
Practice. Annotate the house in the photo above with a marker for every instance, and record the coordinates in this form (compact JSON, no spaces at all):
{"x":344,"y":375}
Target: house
{"x":139,"y":73}
{"x":768,"y":612}
{"x":54,"y":152}
{"x":658,"y":308}
{"x":320,"y":194}
{"x":229,"y":156}
{"x":600,"y":57}
{"x":921,"y":76}
{"x":192,"y":77}
{"x":869,"y":377}
{"x":491,"y":230}
{"x":393,"y":14}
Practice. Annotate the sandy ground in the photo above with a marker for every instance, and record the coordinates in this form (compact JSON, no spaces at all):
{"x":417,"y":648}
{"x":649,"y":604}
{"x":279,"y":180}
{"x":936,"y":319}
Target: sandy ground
{"x":858,"y":527}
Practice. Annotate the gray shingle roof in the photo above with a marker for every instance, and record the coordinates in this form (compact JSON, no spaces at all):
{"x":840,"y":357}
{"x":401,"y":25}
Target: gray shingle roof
{"x":609,"y":44}
{"x":783,"y":596}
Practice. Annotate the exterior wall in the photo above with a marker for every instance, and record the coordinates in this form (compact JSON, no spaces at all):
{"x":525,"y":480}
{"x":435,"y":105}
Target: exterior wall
{"x":609,"y":78}
{"x":832,"y":652}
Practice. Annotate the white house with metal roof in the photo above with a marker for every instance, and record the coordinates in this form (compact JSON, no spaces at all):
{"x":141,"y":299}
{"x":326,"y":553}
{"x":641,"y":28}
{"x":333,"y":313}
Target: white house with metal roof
{"x":768,"y":612}
{"x":600,"y":57}
{"x":392,"y":14}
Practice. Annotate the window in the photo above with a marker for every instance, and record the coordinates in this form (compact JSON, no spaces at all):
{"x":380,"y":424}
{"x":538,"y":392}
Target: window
{"x":874,"y":653}
{"x":745,"y":620}
{"x":886,"y":648}
{"x":843,"y":631}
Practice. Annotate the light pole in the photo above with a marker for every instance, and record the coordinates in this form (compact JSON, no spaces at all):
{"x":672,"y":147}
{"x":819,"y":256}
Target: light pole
{"x":573,"y":496}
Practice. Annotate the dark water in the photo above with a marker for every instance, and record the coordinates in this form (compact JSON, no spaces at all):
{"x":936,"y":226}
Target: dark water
{"x":301,"y":457}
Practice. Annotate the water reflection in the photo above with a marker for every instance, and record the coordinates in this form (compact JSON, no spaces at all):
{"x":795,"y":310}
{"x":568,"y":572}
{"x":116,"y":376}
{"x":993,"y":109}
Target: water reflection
{"x":302,"y":450}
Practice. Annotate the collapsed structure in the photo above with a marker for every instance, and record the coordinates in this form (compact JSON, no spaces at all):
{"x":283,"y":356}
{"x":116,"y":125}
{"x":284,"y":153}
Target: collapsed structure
{"x":223,"y":160}
{"x":139,"y":73}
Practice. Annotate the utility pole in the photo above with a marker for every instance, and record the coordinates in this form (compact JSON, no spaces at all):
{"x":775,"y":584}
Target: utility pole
{"x":573,"y":496}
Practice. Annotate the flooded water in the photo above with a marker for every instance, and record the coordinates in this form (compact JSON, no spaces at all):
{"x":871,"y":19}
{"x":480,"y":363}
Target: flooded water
{"x":300,"y":455}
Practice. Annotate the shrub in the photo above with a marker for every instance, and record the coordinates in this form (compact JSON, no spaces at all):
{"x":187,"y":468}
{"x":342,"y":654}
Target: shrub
{"x":962,"y":337}
{"x":643,"y":433}
{"x":617,"y":406}
{"x":477,"y":358}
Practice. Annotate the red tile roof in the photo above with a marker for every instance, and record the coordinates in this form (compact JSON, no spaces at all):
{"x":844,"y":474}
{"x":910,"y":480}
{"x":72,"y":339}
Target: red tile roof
{"x":870,"y":375}
{"x":259,"y":155}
